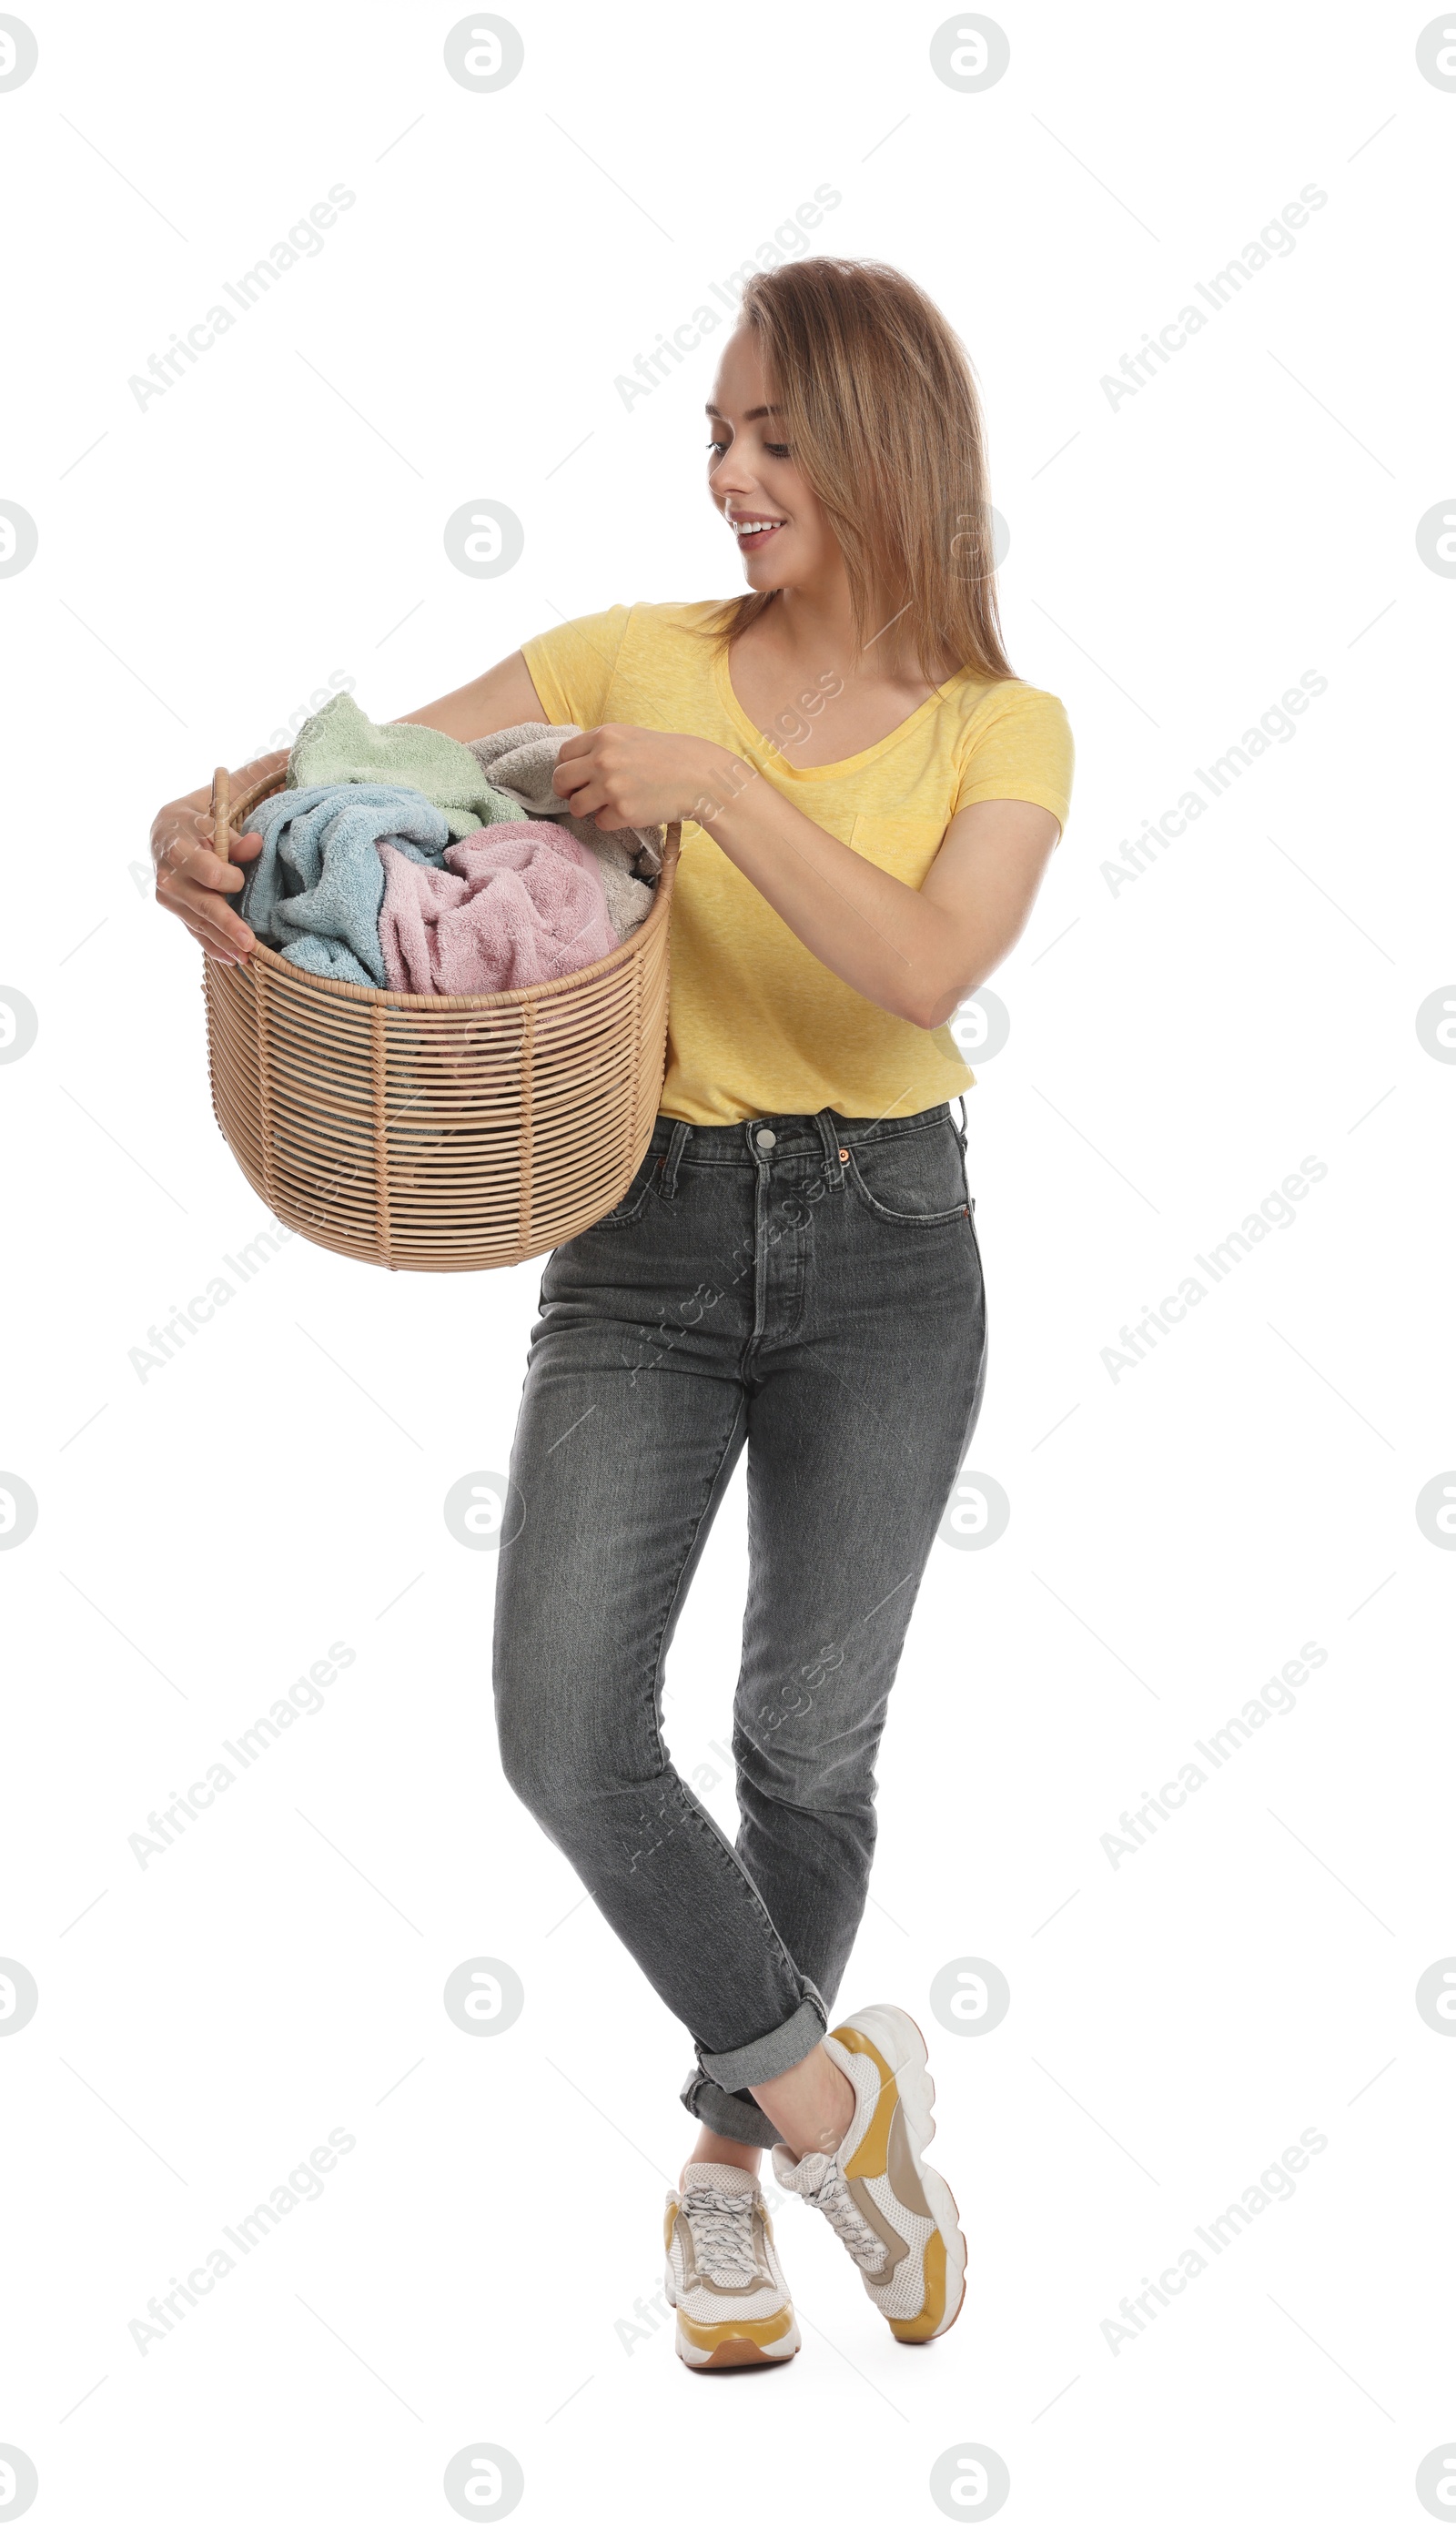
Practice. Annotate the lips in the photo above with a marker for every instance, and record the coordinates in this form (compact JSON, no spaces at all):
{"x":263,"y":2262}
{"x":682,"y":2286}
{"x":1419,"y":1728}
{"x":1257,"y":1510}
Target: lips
{"x":751,"y":529}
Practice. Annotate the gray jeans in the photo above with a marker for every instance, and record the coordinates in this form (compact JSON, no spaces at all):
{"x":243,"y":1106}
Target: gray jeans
{"x":810,"y":1288}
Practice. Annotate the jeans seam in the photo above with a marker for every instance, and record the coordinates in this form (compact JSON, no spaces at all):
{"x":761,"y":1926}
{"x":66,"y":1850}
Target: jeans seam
{"x":694,"y":1812}
{"x":897,"y":1215}
{"x":664,"y":1759}
{"x":887,"y":1132}
{"x":979,"y":1385}
{"x":861,"y":1190}
{"x":697,"y":1813}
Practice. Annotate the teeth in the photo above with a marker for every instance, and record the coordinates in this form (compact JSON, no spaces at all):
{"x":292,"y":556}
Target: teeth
{"x":754,"y":528}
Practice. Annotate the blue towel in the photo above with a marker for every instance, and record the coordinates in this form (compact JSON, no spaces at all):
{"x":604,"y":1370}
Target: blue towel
{"x":314,"y":892}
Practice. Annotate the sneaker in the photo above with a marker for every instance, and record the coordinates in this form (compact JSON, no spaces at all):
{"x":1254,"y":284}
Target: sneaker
{"x":723,"y":2275}
{"x":895,"y":2213}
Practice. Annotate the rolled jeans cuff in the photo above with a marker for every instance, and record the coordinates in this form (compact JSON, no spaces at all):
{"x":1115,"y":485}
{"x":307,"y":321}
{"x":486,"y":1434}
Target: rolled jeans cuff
{"x":768,"y":2057}
{"x":736,"y":2118}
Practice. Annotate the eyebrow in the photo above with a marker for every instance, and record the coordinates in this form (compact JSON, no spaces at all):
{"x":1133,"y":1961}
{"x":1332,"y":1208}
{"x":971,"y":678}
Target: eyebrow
{"x":754,"y":414}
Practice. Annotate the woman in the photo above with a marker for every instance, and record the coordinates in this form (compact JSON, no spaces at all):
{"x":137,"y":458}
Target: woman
{"x":870,"y":800}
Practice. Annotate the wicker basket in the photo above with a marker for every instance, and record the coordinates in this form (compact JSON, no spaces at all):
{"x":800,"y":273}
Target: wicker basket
{"x":438,"y":1132}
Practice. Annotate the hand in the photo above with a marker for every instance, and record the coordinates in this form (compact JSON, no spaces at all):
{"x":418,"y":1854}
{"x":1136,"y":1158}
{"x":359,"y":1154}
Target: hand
{"x":193,"y":882}
{"x":624,"y":777}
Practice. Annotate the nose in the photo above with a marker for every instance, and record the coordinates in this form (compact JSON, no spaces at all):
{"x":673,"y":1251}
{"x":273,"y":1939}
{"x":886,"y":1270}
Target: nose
{"x":731,"y":479}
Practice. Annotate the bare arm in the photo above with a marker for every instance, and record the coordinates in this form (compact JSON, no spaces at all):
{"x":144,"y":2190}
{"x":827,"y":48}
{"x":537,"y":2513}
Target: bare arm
{"x":493,"y":701}
{"x":915,"y":953}
{"x":194,"y":884}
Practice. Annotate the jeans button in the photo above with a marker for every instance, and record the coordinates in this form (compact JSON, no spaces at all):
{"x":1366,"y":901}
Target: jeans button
{"x":764,"y":1138}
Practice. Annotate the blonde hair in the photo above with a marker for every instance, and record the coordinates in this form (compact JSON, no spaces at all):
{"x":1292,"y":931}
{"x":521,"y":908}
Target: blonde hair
{"x":880,"y":414}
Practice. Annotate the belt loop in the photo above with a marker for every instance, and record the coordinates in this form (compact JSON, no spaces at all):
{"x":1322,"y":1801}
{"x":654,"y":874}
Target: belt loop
{"x":830,"y":1136}
{"x":681,"y":1131}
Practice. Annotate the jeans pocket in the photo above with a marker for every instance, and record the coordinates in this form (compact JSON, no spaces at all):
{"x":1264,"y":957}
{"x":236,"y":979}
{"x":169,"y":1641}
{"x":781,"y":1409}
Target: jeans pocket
{"x":913,"y":1179}
{"x":629,"y":1206}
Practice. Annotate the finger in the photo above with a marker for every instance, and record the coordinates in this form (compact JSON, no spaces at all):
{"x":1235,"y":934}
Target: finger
{"x":568,"y":780}
{"x":206,"y":907}
{"x":217,"y":948}
{"x":588,"y":799}
{"x":214,"y":943}
{"x":193,"y":860}
{"x":241,"y":848}
{"x":213,"y":908}
{"x":239,"y":851}
{"x":228,"y":953}
{"x":607,"y":815}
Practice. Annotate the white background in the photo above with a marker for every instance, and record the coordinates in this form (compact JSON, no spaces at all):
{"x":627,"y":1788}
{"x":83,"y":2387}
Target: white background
{"x":1179,"y":1045}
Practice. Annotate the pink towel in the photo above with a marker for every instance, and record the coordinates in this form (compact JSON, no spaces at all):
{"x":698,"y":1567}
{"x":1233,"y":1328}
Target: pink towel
{"x":521,"y":903}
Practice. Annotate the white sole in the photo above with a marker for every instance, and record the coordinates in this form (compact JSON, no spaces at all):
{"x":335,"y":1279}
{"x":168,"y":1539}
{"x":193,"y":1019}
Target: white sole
{"x":900,"y":2041}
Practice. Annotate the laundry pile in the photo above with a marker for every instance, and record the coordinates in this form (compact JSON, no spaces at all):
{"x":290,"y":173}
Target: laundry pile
{"x":398,"y":857}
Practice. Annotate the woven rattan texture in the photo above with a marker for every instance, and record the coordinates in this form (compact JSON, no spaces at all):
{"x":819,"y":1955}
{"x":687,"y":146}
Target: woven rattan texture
{"x":440,"y":1132}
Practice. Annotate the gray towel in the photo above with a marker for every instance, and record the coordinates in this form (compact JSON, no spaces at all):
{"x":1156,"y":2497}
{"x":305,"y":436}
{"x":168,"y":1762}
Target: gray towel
{"x":521,"y":761}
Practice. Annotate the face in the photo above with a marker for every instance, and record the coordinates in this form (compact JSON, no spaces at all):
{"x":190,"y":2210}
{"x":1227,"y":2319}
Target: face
{"x":780,"y":527}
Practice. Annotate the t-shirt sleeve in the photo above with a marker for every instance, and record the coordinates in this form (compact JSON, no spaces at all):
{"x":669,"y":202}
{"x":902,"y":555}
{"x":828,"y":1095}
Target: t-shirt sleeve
{"x":1019,"y":748}
{"x":573,"y":666}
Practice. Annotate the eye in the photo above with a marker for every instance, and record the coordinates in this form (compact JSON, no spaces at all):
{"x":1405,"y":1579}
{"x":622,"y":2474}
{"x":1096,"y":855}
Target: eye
{"x":717,"y":445}
{"x":777,"y":448}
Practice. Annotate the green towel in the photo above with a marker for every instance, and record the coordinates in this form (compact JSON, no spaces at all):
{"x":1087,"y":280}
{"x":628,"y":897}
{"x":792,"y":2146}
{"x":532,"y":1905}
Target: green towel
{"x":339,"y":745}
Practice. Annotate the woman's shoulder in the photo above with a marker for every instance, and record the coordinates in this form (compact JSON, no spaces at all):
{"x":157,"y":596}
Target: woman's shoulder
{"x":976,"y":694}
{"x":1013,"y":741}
{"x":983,"y":705}
{"x":648,"y":617}
{"x":663,"y":638}
{"x":629,"y":628}
{"x":668,"y":617}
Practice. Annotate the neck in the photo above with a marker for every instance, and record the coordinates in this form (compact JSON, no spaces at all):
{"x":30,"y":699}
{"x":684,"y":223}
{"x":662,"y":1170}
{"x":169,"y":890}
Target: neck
{"x":814,"y":627}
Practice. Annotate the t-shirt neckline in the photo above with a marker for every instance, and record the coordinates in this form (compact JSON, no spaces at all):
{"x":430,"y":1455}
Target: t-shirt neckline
{"x":835,"y":766}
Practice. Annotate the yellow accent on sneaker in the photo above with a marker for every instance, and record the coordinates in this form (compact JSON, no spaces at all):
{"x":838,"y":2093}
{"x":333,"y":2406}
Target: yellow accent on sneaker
{"x":884,"y":2153}
{"x":724,"y":2279}
{"x":736,"y":2330}
{"x":920,"y":2330}
{"x":872,"y":2157}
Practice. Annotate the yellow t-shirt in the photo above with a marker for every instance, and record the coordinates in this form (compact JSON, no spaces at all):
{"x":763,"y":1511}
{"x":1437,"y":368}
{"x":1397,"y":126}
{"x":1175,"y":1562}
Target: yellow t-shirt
{"x":756,"y":1025}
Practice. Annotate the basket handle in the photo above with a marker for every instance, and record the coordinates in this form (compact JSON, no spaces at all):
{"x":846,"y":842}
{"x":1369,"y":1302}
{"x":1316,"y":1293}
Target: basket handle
{"x":221,"y":789}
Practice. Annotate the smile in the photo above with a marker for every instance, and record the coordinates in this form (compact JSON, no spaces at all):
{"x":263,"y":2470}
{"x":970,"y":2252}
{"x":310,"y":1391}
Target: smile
{"x":752,"y":530}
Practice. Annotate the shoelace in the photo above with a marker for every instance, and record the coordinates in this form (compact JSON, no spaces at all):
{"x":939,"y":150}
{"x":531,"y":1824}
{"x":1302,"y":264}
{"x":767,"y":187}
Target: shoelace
{"x":831,"y":2197}
{"x":722,"y":2230}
